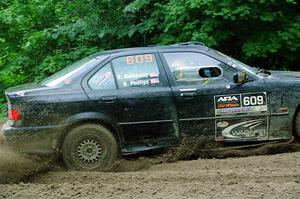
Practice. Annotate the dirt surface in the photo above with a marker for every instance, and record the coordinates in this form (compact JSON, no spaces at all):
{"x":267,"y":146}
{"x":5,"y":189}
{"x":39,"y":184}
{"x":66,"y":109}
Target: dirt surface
{"x":275,"y":176}
{"x":260,"y":176}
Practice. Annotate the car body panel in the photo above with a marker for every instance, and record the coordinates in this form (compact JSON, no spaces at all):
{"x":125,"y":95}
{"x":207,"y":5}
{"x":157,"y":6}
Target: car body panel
{"x":154,"y":117}
{"x":284,"y":99}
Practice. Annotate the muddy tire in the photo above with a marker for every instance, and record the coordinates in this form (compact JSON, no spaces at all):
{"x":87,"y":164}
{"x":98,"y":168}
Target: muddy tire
{"x":297,"y":126}
{"x":90,"y":147}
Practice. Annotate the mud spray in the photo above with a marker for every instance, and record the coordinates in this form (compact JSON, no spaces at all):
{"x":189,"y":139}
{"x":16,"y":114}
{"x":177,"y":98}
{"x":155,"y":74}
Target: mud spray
{"x":198,"y":148}
{"x":194,"y":148}
{"x":16,"y":167}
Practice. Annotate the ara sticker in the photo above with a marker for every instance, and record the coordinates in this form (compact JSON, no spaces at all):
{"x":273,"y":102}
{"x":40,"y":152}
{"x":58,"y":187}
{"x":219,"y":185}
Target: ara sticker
{"x":229,"y":101}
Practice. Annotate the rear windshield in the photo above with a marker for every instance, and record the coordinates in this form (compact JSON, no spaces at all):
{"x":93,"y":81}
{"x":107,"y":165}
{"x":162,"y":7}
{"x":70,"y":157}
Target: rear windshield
{"x":66,"y":75}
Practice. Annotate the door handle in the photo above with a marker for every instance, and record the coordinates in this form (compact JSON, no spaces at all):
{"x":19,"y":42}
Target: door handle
{"x":188,"y":95}
{"x":109,"y":99}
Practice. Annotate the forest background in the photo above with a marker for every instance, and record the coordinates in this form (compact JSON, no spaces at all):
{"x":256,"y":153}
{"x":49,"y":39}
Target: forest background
{"x":40,"y":37}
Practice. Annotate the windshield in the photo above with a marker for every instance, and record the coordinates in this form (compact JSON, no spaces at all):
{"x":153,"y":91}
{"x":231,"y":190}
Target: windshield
{"x":232,"y":62}
{"x":66,"y":75}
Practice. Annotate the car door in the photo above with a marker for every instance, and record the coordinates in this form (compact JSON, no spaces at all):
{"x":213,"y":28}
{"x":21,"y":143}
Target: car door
{"x":210,"y":104}
{"x":141,"y":101}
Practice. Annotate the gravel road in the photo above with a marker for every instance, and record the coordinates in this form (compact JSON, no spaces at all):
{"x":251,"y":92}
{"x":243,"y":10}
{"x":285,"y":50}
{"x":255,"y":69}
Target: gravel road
{"x":274,"y":176}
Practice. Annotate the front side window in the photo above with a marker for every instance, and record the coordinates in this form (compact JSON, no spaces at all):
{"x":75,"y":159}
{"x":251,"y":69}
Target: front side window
{"x":191,"y":68}
{"x":103,"y":79}
{"x":232,"y":61}
{"x":137,"y":71}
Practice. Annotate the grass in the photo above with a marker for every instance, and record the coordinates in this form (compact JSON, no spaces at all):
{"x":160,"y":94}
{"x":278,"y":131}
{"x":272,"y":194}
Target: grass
{"x":2,"y":119}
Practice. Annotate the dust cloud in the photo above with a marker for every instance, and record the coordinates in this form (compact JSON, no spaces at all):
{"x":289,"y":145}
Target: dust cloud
{"x":16,"y":167}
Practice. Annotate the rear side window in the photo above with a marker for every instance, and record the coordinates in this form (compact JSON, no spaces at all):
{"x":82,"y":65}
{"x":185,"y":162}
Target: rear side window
{"x":103,"y":79}
{"x":68,"y":74}
{"x":137,"y":71}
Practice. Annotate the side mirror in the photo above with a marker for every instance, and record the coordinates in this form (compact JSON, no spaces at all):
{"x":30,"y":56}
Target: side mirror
{"x":240,"y":78}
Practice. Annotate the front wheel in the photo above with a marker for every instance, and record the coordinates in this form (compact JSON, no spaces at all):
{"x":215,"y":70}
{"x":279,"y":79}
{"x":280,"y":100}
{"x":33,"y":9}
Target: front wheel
{"x":90,"y":147}
{"x":297,"y":126}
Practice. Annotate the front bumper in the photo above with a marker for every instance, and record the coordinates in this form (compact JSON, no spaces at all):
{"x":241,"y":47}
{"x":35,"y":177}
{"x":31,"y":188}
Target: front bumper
{"x":32,"y":140}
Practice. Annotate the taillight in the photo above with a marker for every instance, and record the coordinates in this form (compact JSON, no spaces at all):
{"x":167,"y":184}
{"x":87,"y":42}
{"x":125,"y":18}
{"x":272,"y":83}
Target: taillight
{"x":14,"y":115}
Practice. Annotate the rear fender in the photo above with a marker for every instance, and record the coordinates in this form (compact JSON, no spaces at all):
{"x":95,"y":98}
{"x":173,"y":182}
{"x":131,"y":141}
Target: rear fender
{"x":90,"y":117}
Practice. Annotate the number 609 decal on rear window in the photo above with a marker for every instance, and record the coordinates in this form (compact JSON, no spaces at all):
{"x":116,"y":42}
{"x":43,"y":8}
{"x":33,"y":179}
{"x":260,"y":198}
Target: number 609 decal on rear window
{"x":240,"y":103}
{"x":139,"y":59}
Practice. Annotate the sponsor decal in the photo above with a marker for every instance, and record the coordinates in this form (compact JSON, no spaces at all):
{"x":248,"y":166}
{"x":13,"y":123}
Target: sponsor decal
{"x":229,"y":101}
{"x":136,"y":83}
{"x":141,"y":82}
{"x":238,"y":129}
{"x":134,"y":76}
{"x":222,"y":124}
{"x":137,"y":76}
{"x":244,"y":129}
{"x":240,"y":103}
{"x":21,"y":93}
{"x":68,"y":81}
{"x":151,"y":75}
{"x":154,"y":81}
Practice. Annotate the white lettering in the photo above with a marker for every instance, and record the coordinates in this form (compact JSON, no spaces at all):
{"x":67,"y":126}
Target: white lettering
{"x":228,"y":99}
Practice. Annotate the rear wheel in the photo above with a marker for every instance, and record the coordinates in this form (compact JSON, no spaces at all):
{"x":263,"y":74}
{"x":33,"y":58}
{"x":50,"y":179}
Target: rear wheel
{"x":90,"y":147}
{"x":297,"y":126}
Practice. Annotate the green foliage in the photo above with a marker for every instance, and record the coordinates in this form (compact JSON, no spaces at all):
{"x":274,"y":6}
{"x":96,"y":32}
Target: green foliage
{"x":2,"y":110}
{"x":39,"y":37}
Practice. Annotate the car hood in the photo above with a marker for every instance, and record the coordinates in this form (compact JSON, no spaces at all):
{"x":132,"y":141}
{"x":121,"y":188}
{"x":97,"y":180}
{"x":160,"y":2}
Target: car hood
{"x":285,"y":75}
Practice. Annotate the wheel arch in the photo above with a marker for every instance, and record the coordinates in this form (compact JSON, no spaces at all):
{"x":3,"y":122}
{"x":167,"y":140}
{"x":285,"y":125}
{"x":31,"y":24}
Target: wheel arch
{"x":91,"y":118}
{"x":294,"y":119}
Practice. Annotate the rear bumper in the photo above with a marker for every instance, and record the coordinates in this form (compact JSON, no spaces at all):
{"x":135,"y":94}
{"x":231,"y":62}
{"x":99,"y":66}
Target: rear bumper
{"x":2,"y":138}
{"x":33,"y":140}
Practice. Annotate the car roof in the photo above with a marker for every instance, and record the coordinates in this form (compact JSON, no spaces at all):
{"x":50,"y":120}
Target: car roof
{"x":185,"y":45}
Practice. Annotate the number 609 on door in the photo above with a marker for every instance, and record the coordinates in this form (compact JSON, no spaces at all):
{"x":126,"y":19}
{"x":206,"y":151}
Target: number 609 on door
{"x":254,"y":99}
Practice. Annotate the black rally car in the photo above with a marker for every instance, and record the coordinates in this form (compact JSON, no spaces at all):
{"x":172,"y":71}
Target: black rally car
{"x":132,"y":100}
